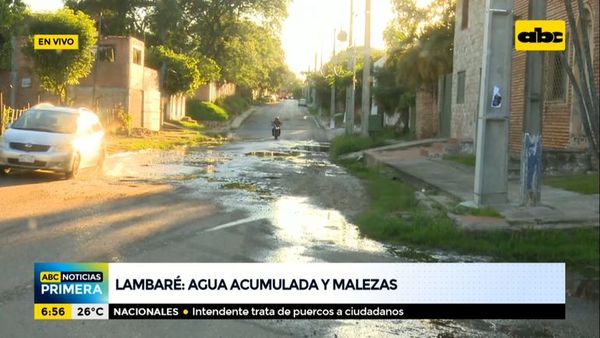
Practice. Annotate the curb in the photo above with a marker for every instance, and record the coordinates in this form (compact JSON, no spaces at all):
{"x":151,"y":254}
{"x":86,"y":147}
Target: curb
{"x":238,"y":120}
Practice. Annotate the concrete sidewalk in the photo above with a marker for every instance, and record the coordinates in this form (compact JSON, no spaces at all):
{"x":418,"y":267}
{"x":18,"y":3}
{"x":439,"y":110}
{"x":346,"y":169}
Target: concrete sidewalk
{"x":559,"y":208}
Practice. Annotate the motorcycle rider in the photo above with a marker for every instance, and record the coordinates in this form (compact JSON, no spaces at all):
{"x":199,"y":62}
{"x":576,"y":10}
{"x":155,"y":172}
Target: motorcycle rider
{"x":276,"y":123}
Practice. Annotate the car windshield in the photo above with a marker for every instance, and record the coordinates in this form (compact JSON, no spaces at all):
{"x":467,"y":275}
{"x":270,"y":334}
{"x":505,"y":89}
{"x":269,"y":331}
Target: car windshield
{"x":48,"y":121}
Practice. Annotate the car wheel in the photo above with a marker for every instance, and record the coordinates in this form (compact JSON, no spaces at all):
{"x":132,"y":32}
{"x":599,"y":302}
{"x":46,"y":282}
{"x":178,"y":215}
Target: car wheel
{"x":75,"y":167}
{"x":4,"y":170}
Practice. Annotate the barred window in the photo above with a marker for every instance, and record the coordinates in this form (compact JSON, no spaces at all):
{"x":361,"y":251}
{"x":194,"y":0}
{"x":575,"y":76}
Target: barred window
{"x":460,"y":87}
{"x":555,"y":78}
{"x":106,"y":53}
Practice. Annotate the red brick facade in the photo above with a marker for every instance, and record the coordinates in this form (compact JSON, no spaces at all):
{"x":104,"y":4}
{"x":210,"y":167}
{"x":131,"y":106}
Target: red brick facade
{"x":426,"y":106}
{"x":561,"y":130}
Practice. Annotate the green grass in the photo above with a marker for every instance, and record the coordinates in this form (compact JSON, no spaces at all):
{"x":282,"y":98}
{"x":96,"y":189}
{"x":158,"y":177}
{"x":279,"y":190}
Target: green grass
{"x":234,"y":105}
{"x":583,"y":184}
{"x":162,"y":140}
{"x":191,"y":125}
{"x":466,"y":159}
{"x":391,"y":199}
{"x":205,"y":111}
{"x":345,"y":144}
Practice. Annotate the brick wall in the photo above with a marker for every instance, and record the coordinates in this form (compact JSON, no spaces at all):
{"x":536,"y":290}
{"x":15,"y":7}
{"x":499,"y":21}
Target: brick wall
{"x":561,"y":126}
{"x":426,"y":107}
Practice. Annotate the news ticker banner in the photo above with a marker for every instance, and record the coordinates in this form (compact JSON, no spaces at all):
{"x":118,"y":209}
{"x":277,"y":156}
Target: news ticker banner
{"x":299,"y":291}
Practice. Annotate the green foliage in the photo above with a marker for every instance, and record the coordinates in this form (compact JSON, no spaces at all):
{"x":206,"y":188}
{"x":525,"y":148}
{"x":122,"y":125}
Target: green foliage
{"x":234,"y":104}
{"x":119,"y":17}
{"x":57,"y":69}
{"x":125,"y":119}
{"x":11,"y":22}
{"x":350,"y":143}
{"x":420,"y":42}
{"x":239,"y":35}
{"x":336,"y":72}
{"x":583,"y":184}
{"x":205,"y":111}
{"x":428,"y":59}
{"x":182,"y":74}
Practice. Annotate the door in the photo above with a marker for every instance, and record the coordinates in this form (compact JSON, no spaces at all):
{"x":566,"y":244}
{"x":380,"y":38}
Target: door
{"x":445,"y":115}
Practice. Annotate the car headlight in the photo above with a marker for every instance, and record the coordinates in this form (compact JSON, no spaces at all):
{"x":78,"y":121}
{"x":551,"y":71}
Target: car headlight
{"x":63,"y":148}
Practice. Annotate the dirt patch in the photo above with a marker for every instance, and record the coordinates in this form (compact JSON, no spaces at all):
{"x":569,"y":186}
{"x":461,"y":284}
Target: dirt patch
{"x":23,"y":199}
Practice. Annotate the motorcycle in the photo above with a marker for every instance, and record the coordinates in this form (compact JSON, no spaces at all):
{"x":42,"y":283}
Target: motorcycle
{"x":276,"y":131}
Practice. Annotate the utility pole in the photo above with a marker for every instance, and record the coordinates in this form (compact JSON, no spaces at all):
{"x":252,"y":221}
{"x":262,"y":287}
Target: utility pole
{"x":491,"y":167}
{"x":351,"y":64}
{"x":332,"y":104}
{"x":94,"y":105}
{"x":13,"y":72}
{"x":531,"y":153}
{"x":366,"y":91}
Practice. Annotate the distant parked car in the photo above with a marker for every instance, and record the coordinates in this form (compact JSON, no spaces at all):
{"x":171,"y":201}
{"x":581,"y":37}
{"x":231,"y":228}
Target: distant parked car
{"x":302,"y":102}
{"x":60,"y":139}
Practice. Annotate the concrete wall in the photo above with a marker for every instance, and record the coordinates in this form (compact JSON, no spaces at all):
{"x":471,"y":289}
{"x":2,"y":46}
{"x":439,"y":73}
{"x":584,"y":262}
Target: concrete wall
{"x":174,"y":107}
{"x":212,"y":91}
{"x":468,"y":44}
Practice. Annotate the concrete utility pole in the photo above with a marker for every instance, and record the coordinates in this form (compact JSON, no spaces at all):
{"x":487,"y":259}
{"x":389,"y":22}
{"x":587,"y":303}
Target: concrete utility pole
{"x":350,"y":89}
{"x":366,"y":91}
{"x":332,"y":104}
{"x":491,"y":168}
{"x":12,"y":99}
{"x":531,"y":153}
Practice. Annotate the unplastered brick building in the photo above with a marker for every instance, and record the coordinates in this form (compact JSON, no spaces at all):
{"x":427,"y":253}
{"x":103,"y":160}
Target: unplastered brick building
{"x":119,"y":80}
{"x":562,"y":129}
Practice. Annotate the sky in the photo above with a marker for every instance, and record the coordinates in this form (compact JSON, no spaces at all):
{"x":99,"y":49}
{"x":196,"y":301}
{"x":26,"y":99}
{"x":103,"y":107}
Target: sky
{"x":309,"y":27}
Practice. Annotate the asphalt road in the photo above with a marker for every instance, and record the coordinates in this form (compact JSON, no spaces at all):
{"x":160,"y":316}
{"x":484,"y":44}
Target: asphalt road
{"x":253,"y":200}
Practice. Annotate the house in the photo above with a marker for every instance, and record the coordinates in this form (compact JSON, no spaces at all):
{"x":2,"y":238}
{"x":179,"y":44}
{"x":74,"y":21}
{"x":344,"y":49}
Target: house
{"x":562,"y":129}
{"x":119,"y":78}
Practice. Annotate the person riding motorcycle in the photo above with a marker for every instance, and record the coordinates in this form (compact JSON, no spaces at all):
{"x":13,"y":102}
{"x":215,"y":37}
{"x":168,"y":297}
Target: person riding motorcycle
{"x":276,"y":124}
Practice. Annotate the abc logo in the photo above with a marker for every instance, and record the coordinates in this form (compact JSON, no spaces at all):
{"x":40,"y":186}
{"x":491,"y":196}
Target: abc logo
{"x":50,"y":277}
{"x":540,"y":35}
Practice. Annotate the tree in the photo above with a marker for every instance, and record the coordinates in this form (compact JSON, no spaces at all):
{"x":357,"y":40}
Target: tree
{"x":58,"y":68}
{"x":336,"y":71}
{"x":230,"y":32}
{"x":11,"y":17}
{"x":585,"y":87}
{"x":119,"y":17}
{"x":420,"y":48}
{"x":184,"y":73}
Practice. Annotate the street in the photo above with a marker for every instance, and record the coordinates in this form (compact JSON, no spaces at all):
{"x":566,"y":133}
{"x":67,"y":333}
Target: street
{"x":255,"y":199}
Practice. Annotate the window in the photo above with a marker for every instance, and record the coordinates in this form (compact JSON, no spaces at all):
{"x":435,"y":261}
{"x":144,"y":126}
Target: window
{"x":465,"y":15}
{"x":137,"y":56}
{"x":555,"y":78}
{"x":460,"y":87}
{"x":106,"y":53}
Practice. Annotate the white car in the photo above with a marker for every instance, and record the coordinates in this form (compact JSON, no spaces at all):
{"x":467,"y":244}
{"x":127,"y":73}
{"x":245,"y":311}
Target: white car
{"x":302,"y":102}
{"x":53,"y":138}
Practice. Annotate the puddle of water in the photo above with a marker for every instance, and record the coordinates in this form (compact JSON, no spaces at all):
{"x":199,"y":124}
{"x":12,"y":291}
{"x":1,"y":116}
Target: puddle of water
{"x":305,"y":226}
